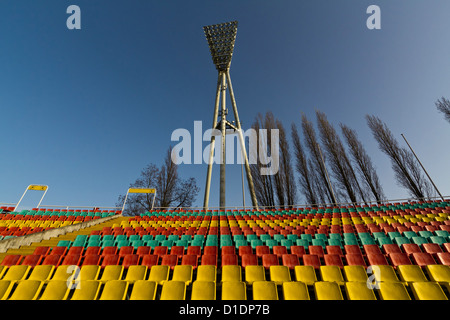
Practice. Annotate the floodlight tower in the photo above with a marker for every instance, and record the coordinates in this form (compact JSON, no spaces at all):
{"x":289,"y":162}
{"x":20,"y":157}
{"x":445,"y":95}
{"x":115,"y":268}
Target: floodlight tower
{"x":221,"y":38}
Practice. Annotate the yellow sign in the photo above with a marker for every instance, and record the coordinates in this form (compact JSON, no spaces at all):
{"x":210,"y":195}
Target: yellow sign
{"x":137,"y":190}
{"x":37,"y":187}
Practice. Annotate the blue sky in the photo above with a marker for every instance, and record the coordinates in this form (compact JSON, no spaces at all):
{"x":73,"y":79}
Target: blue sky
{"x":83,"y":111}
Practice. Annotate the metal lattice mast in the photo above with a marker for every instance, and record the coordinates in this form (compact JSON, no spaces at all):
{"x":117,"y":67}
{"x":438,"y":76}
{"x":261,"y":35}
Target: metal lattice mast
{"x":221,"y":39}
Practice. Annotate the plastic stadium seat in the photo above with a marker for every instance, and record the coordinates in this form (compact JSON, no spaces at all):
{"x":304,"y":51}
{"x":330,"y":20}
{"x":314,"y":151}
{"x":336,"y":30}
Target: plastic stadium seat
{"x":295,"y":291}
{"x":372,"y":249}
{"x":231,"y":273}
{"x":11,"y":260}
{"x":391,"y":248}
{"x":26,"y":290}
{"x":398,"y":259}
{"x":377,"y":259}
{"x":254,"y":273}
{"x":149,"y":260}
{"x":423,"y":259}
{"x":431,"y":248}
{"x":177,"y":250}
{"x":334,"y":250}
{"x":143,"y":250}
{"x":316,"y":250}
{"x":264,"y":290}
{"x":290,"y":260}
{"x":206,"y":273}
{"x":110,"y":259}
{"x":411,"y":273}
{"x":305,"y":274}
{"x":327,"y":291}
{"x":234,"y":290}
{"x":32,"y":260}
{"x":209,"y":259}
{"x":87,"y":290}
{"x":91,"y":259}
{"x":203,"y":290}
{"x":228,"y":250}
{"x":111,"y":272}
{"x":160,"y":250}
{"x":333,"y":260}
{"x":393,"y":291}
{"x":261,"y":250}
{"x":384,"y":274}
{"x":279,"y":274}
{"x":299,"y":251}
{"x":92,"y":250}
{"x":190,"y":259}
{"x":41,"y":272}
{"x":124,"y":250}
{"x":269,"y":260}
{"x":279,"y":250}
{"x":356,"y":273}
{"x":332,"y":274}
{"x":438,"y":273}
{"x":42,"y":250}
{"x":183,"y":273}
{"x":311,"y":260}
{"x":159,"y":274}
{"x":109,"y":250}
{"x":352,"y":249}
{"x":144,"y":290}
{"x":16,"y":273}
{"x":359,"y":291}
{"x":173,"y":290}
{"x":443,"y":258}
{"x":90,"y":272}
{"x":75,"y":250}
{"x":136,"y":273}
{"x":194,"y":250}
{"x":169,"y":260}
{"x":55,"y":290}
{"x":229,"y":259}
{"x":410,"y":248}
{"x":249,"y":259}
{"x":210,"y":250}
{"x":129,"y":260}
{"x":245,"y":250}
{"x":53,"y":259}
{"x":427,"y":291}
{"x":73,"y":259}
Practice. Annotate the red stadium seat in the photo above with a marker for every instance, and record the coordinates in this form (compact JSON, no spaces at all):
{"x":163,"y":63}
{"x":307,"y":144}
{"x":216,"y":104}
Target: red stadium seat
{"x":143,"y":250}
{"x":410,"y":248}
{"x":73,"y":259}
{"x":41,"y":250}
{"x":279,"y":250}
{"x":110,"y":259}
{"x":150,"y":260}
{"x":228,"y":250}
{"x":377,"y":260}
{"x":59,"y":250}
{"x":194,"y":250}
{"x":245,"y":250}
{"x":209,"y":259}
{"x":91,"y":259}
{"x":311,"y":260}
{"x":431,"y":248}
{"x":75,"y":250}
{"x":391,"y":248}
{"x":213,"y":250}
{"x":190,"y":259}
{"x":229,"y":259}
{"x":354,"y":259}
{"x":423,"y":259}
{"x":269,"y":260}
{"x":130,"y":260}
{"x":371,"y":249}
{"x":299,"y":251}
{"x":352,"y":249}
{"x":399,"y":259}
{"x":443,"y":258}
{"x":316,"y":250}
{"x":32,"y":260}
{"x":290,"y":260}
{"x":249,"y":260}
{"x":333,"y":260}
{"x":109,"y":250}
{"x":126,"y":250}
{"x":92,"y":250}
{"x":177,"y":250}
{"x":52,"y":259}
{"x":160,"y":250}
{"x":262,"y":250}
{"x":334,"y":250}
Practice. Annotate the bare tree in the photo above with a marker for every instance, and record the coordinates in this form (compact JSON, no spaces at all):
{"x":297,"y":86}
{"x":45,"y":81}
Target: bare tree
{"x":443,"y":106}
{"x":171,"y":190}
{"x":363,"y":163}
{"x":340,"y":164}
{"x":285,"y":175}
{"x":305,"y":170}
{"x":406,"y":169}
{"x":325,"y":190}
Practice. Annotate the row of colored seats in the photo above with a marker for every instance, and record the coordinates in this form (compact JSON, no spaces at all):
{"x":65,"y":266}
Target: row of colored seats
{"x":140,"y":282}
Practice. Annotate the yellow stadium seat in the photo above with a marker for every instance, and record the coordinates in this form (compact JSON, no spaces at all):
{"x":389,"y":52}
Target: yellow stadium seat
{"x":385,"y":274}
{"x":111,"y":272}
{"x":135,"y":273}
{"x":264,"y":290}
{"x":231,"y":273}
{"x":439,"y":273}
{"x":279,"y":274}
{"x":55,"y":290}
{"x":86,"y":290}
{"x":159,"y":274}
{"x":359,"y":291}
{"x":144,"y":290}
{"x":173,"y":290}
{"x":183,"y":273}
{"x":15,"y":273}
{"x":203,"y":290}
{"x":26,"y":290}
{"x":355,"y":273}
{"x":393,"y":291}
{"x":206,"y":273}
{"x":427,"y":291}
{"x":305,"y":274}
{"x":66,"y":272}
{"x":331,"y":274}
{"x":327,"y":291}
{"x":234,"y":290}
{"x":295,"y":290}
{"x":90,"y":272}
{"x":254,"y":273}
{"x":114,"y":290}
{"x":411,"y":273}
{"x":5,"y":288}
{"x":41,"y":272}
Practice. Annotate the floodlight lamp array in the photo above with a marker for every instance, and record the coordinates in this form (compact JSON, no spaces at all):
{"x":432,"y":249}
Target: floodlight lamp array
{"x":221,"y":39}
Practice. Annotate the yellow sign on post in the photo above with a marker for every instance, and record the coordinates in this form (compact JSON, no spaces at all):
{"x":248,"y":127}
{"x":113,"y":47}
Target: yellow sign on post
{"x":38,"y":187}
{"x":140,"y":190}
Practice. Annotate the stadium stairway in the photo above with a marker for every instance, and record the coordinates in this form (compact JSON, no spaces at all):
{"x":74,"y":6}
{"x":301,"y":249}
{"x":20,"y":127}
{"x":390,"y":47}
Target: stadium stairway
{"x":397,"y":251}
